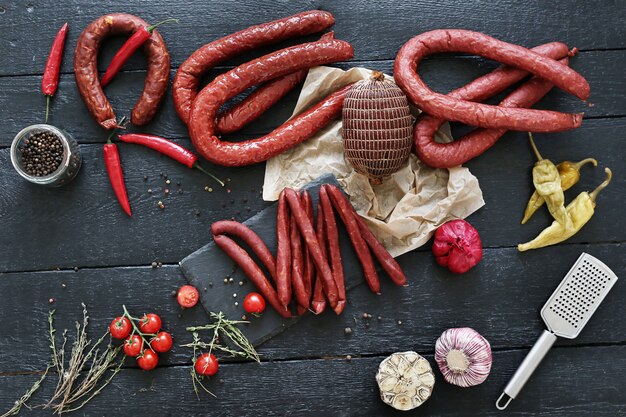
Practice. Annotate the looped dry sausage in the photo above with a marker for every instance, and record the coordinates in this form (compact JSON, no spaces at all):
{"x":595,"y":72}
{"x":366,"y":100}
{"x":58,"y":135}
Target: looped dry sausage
{"x":202,"y":123}
{"x":86,"y":69}
{"x":483,"y":115}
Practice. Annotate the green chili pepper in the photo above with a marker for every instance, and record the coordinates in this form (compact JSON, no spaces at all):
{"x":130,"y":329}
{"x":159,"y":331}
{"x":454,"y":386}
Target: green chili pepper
{"x":580,"y":210}
{"x":569,"y":173}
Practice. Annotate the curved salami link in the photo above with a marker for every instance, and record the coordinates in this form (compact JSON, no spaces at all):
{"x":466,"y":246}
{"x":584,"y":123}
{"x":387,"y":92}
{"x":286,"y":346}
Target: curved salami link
{"x":188,"y":76}
{"x":297,"y":265}
{"x":319,"y":301}
{"x":252,"y":271}
{"x":346,"y":212}
{"x":469,"y":146}
{"x":86,"y":69}
{"x":483,"y":115}
{"x":310,"y":238}
{"x":389,"y":264}
{"x":253,"y":240}
{"x":202,"y":127}
{"x":309,"y":266}
{"x":283,"y":252}
{"x":332,"y":235}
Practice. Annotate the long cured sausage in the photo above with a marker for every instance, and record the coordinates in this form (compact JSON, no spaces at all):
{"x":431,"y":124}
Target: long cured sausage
{"x":253,"y":240}
{"x":86,"y":69}
{"x":252,"y":271}
{"x":478,"y":141}
{"x":309,"y":266}
{"x":346,"y":212}
{"x":469,"y":146}
{"x":202,"y":127}
{"x":310,"y":238}
{"x":188,"y":76}
{"x":334,"y":254}
{"x":297,"y":266}
{"x":283,"y":252}
{"x":318,"y":304}
{"x":483,"y":115}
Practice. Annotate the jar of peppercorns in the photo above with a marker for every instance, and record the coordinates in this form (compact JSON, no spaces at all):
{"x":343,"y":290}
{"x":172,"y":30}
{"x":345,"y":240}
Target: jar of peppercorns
{"x":45,"y":155}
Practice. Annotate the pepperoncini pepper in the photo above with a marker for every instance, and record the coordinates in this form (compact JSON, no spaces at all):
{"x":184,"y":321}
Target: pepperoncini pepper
{"x":547,"y":183}
{"x":570,"y":175}
{"x":580,"y":210}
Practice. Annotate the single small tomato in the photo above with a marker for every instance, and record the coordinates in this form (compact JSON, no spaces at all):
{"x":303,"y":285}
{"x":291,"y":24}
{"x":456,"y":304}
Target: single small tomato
{"x":162,"y":342}
{"x":187,"y":296}
{"x":254,"y":303}
{"x":150,"y":323}
{"x":120,"y":327}
{"x":148,"y":360}
{"x":206,"y":364}
{"x":133,"y":346}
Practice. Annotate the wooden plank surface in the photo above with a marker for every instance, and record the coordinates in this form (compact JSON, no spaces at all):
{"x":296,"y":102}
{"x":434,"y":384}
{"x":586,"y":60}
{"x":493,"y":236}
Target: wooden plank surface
{"x":46,"y":233}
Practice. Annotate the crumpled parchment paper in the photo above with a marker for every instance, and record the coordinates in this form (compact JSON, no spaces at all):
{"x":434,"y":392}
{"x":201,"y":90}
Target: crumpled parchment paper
{"x":403,"y":211}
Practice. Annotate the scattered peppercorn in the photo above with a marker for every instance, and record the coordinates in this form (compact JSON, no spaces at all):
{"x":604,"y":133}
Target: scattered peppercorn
{"x":41,"y":154}
{"x":225,"y":280}
{"x":235,"y":295}
{"x":160,"y":264}
{"x":399,"y":322}
{"x":149,"y":190}
{"x":231,"y":280}
{"x":75,"y":269}
{"x":145,"y":178}
{"x":379,"y":318}
{"x":197,"y":212}
{"x":211,"y":284}
{"x":173,"y":293}
{"x":63,"y":286}
{"x":51,"y":301}
{"x":228,"y":190}
{"x":160,"y":174}
{"x":168,"y":182}
{"x":241,"y":283}
{"x":161,"y":205}
{"x":166,"y":191}
{"x":348,"y":358}
{"x":236,"y":303}
{"x":347,"y":330}
{"x":153,"y":264}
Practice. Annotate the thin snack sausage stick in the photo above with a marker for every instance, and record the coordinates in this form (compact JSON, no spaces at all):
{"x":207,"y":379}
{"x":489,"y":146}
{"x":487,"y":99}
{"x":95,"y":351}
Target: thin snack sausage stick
{"x":308,"y":233}
{"x":86,"y":69}
{"x":319,"y":302}
{"x":292,"y":132}
{"x":386,"y":260}
{"x":252,"y":271}
{"x":259,"y":101}
{"x":330,"y":225}
{"x":283,"y":252}
{"x":297,"y":279}
{"x":483,"y":115}
{"x":478,"y":141}
{"x":309,"y":266}
{"x":345,"y":210}
{"x":253,"y":240}
{"x":190,"y":73}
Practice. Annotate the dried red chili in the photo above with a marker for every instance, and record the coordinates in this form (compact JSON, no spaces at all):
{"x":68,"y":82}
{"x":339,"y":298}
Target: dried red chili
{"x":116,"y":175}
{"x":130,"y":46}
{"x":168,"y":148}
{"x":50,"y":79}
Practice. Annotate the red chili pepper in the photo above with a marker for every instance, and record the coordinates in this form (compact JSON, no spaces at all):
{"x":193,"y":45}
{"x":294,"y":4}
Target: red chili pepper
{"x":130,"y":46}
{"x":169,"y":148}
{"x":114,"y":169}
{"x":50,"y":80}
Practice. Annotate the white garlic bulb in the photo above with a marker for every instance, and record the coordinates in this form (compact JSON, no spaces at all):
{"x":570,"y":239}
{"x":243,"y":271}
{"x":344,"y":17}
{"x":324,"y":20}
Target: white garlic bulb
{"x":405,"y":380}
{"x":464,"y":356}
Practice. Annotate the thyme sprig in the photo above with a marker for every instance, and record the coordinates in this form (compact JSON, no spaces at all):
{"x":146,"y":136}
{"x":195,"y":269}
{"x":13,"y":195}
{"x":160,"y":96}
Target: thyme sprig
{"x":226,"y":338}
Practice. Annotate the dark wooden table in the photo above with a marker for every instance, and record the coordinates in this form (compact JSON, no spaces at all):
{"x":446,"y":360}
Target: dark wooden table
{"x":75,"y":245}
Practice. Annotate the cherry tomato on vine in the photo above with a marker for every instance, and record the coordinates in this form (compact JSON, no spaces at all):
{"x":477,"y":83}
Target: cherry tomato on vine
{"x":133,"y":345}
{"x":162,"y":342}
{"x":148,"y":360}
{"x":150,"y":323}
{"x":254,"y":303}
{"x":187,"y":296}
{"x":120,"y":327}
{"x":206,"y":364}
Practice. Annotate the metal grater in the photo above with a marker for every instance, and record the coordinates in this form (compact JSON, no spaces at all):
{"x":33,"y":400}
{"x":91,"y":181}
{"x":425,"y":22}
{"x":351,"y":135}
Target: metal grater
{"x":566,"y":313}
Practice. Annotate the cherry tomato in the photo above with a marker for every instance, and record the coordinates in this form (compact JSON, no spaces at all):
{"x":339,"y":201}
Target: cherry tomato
{"x":206,"y":364}
{"x":150,"y":323}
{"x":254,"y":303}
{"x":148,"y":360}
{"x":187,"y":296}
{"x":162,"y":342}
{"x":120,"y":327}
{"x":133,"y":345}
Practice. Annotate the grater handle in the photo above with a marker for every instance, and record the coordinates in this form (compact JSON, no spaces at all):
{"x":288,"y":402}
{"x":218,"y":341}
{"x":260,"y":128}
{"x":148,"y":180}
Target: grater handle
{"x":526,"y":369}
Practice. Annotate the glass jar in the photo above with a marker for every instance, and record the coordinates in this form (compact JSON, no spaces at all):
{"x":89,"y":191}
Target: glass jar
{"x":69,"y":166}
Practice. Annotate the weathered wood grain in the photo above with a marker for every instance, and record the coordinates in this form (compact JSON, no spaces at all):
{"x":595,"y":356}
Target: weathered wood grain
{"x":21,"y":102}
{"x":377,"y":30}
{"x":82,"y":225}
{"x":500,"y":298}
{"x":583,"y":382}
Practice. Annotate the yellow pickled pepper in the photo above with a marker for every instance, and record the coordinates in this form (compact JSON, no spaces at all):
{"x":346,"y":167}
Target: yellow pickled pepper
{"x":547,"y":182}
{"x":580,"y":210}
{"x":570,"y":175}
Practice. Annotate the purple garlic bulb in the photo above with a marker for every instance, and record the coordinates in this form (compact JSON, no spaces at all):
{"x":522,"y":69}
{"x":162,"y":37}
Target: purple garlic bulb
{"x":464,"y":356}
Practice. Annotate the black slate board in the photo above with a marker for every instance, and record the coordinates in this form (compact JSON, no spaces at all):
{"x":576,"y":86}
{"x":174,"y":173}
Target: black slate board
{"x":208,"y":267}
